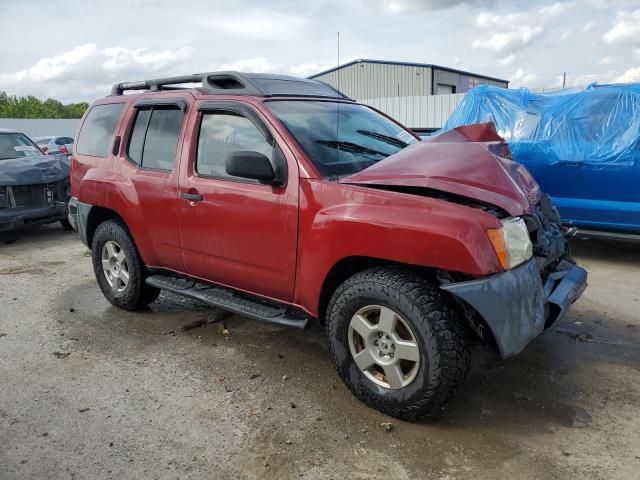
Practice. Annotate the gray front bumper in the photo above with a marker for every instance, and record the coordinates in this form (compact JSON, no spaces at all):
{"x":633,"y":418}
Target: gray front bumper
{"x":516,"y":305}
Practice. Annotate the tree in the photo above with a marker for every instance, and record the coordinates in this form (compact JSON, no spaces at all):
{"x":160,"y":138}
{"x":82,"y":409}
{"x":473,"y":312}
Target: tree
{"x":12,"y":106}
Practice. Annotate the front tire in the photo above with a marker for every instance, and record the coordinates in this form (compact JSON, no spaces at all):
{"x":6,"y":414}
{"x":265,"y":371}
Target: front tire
{"x":119,"y":269}
{"x":397,"y":342}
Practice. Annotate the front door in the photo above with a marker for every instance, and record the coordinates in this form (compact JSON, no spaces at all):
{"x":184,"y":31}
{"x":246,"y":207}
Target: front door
{"x":234,"y":231}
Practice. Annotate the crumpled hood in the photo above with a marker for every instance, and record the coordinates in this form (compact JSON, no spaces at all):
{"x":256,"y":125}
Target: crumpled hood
{"x":34,"y":170}
{"x":463,"y":161}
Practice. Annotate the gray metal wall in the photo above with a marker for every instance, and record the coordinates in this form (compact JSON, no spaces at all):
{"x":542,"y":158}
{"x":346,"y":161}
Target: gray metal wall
{"x":373,"y":80}
{"x":363,"y":80}
{"x":35,"y":127}
{"x":418,"y":112}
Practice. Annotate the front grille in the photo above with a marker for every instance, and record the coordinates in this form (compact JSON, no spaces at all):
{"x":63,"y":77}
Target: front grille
{"x":546,"y":232}
{"x":41,"y":195}
{"x":29,"y":195}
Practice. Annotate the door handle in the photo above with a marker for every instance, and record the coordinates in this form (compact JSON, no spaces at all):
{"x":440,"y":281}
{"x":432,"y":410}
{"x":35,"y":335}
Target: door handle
{"x":192,"y":197}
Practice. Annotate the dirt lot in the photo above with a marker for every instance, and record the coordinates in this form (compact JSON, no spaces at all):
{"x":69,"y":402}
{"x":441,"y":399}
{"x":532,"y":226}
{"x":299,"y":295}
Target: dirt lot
{"x":88,"y":391}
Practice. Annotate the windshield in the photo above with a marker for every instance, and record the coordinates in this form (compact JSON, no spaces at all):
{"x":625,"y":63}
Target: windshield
{"x":341,"y":138}
{"x":17,"y":145}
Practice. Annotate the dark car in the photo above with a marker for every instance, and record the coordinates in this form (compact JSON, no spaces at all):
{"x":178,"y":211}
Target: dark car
{"x":281,"y":199}
{"x":34,"y":187}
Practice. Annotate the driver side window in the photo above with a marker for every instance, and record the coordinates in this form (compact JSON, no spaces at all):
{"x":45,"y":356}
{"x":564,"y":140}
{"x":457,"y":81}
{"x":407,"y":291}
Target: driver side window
{"x":221,"y":134}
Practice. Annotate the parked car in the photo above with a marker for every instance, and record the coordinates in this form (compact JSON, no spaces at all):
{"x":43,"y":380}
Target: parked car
{"x":280,"y":199}
{"x":51,"y":145}
{"x":34,"y":187}
{"x":581,"y":145}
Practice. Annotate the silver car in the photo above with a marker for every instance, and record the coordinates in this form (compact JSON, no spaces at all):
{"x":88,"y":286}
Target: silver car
{"x":51,"y":145}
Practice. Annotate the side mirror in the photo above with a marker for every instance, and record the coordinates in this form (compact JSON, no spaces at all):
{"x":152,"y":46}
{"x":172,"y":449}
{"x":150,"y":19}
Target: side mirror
{"x":253,"y":165}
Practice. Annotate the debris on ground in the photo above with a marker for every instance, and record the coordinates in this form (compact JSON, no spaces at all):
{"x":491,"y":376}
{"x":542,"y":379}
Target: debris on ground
{"x":577,"y":336}
{"x":293,"y":405}
{"x":581,"y":418}
{"x":195,"y":324}
{"x":254,"y":375}
{"x":85,"y":409}
{"x":388,"y":426}
{"x":203,"y":322}
{"x":285,"y":377}
{"x":61,"y":354}
{"x":72,"y":310}
{"x":2,"y":334}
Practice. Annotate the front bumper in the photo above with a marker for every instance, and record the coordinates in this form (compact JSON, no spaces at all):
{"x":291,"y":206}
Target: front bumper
{"x":517,"y":306}
{"x":16,"y":218}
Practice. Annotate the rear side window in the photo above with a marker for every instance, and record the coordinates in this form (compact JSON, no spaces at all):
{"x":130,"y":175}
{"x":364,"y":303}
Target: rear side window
{"x":97,"y":130}
{"x":154,"y":137}
{"x":64,"y":140}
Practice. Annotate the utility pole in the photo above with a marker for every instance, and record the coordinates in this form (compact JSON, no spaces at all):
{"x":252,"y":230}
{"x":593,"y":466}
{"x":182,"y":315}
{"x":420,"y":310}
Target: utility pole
{"x":564,"y":79}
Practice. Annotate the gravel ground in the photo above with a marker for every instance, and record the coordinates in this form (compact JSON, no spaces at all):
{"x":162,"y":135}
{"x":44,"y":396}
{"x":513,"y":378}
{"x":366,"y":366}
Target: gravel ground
{"x":88,"y":391}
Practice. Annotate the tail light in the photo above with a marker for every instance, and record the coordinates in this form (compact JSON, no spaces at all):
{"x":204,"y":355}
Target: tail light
{"x":63,"y":149}
{"x":44,"y":148}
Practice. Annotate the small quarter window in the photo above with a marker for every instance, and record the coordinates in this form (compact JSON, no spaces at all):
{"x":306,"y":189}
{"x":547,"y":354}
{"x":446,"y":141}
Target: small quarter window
{"x":223,"y":133}
{"x":97,"y":130}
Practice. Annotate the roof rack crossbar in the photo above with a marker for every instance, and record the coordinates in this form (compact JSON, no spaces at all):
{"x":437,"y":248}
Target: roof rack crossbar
{"x":237,"y":83}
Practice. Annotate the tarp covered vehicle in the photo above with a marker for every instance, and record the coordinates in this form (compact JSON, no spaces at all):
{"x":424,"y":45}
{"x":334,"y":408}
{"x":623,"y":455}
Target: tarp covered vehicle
{"x":581,"y":145}
{"x":34,"y":187}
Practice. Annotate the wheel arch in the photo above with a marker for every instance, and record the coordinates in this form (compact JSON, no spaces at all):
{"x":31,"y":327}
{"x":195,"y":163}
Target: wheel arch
{"x":95,"y":216}
{"x":349,"y":266}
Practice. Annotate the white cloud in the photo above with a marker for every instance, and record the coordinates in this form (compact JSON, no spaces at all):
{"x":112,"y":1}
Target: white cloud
{"x":258,"y":24}
{"x":554,"y":9}
{"x":254,"y":65}
{"x":626,"y":28}
{"x":413,"y":6}
{"x":514,"y":36}
{"x":586,"y":28}
{"x":631,"y":75}
{"x":523,"y":79}
{"x":305,"y":69}
{"x":508,"y":60}
{"x":87,"y":72}
{"x":119,"y":58}
{"x":605,"y":61}
{"x":49,"y":68}
{"x":504,"y":33}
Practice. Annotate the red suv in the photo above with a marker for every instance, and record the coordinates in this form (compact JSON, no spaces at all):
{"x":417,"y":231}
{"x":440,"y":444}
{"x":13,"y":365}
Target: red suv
{"x":280,"y":199}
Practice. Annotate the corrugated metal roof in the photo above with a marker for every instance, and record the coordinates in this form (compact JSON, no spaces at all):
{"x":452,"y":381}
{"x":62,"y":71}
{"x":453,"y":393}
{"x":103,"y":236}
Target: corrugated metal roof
{"x":407,"y":64}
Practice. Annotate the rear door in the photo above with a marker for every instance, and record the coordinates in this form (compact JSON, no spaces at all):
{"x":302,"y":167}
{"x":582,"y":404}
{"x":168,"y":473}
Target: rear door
{"x":238,"y":232}
{"x":151,"y":143}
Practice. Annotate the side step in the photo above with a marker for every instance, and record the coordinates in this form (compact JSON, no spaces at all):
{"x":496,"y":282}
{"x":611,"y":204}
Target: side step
{"x":231,"y":301}
{"x":605,"y":235}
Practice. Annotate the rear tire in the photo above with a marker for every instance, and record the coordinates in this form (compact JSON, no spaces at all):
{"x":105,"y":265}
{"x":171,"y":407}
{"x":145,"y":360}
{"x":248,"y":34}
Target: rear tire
{"x":133,"y":294}
{"x":425,"y":315}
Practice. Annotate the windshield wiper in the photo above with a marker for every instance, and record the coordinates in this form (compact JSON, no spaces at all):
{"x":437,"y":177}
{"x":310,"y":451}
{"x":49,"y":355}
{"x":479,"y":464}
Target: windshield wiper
{"x":396,"y":142}
{"x":350,"y":147}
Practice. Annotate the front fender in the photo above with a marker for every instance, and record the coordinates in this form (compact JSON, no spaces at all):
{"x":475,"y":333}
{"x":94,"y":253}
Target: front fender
{"x":339,"y":221}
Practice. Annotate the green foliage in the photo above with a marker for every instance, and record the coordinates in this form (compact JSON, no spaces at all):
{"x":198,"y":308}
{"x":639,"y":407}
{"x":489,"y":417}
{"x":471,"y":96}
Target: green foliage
{"x":12,"y":106}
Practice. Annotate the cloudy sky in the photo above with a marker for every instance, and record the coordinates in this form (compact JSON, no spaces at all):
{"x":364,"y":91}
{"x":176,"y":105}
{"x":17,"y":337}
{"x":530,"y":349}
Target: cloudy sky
{"x":75,"y":49}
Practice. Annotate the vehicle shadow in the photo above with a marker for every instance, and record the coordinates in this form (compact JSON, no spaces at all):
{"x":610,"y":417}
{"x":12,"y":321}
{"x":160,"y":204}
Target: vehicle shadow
{"x":34,"y":235}
{"x":619,"y":251}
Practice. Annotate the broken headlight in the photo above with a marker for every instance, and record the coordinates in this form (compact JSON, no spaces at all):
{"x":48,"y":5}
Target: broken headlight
{"x":511,"y":242}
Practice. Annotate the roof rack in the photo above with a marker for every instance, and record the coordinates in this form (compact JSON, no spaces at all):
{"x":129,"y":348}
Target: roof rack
{"x":237,"y":83}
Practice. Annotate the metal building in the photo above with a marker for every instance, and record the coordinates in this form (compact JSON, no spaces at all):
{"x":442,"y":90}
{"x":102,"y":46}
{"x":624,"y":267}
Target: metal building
{"x":364,"y":79}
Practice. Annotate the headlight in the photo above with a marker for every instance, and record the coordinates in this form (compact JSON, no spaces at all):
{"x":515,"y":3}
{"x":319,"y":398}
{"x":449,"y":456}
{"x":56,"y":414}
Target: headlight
{"x":511,"y":242}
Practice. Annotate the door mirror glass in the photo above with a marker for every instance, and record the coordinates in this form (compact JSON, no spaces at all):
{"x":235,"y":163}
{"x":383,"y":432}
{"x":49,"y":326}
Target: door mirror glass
{"x":252,"y":165}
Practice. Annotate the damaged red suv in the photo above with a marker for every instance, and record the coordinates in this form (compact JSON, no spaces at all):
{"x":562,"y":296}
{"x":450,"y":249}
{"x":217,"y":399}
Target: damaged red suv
{"x":280,"y":199}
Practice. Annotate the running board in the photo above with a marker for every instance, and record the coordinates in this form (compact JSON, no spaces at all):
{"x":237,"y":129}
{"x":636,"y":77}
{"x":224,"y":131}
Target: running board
{"x":230,"y":300}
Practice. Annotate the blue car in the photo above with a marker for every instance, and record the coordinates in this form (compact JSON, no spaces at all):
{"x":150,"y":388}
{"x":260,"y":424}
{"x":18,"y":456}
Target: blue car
{"x":582,"y":146}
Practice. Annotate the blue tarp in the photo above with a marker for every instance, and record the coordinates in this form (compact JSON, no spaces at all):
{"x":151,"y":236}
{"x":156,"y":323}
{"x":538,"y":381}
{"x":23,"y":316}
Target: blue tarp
{"x":598,"y":125}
